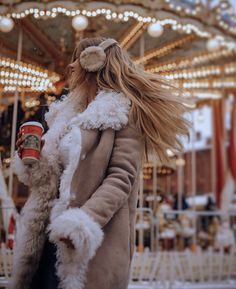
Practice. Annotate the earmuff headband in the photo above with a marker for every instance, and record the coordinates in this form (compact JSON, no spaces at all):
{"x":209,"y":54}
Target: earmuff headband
{"x":93,"y":58}
{"x":107,"y":43}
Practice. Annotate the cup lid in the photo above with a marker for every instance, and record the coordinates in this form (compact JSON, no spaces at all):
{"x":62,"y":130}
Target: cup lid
{"x":35,"y":123}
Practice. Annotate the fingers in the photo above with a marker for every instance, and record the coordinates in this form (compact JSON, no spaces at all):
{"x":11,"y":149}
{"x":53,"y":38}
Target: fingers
{"x":19,"y":139}
{"x":19,"y":142}
{"x":19,"y":151}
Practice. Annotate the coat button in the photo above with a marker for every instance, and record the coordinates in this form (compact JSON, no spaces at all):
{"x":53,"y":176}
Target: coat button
{"x":83,"y":156}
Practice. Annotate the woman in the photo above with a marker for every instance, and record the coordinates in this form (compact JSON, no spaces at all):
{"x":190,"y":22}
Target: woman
{"x":84,"y":188}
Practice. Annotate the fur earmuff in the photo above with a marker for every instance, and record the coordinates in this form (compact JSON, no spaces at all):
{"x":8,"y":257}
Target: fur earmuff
{"x":92,"y":58}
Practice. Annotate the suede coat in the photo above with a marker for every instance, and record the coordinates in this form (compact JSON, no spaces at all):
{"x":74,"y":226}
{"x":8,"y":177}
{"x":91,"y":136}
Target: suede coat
{"x":92,"y":200}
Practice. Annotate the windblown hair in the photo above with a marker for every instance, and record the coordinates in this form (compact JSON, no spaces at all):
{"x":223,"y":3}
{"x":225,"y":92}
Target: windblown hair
{"x":155,"y":110}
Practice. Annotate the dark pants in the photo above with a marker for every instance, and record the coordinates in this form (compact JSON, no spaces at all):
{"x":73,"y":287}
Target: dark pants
{"x":45,"y":277}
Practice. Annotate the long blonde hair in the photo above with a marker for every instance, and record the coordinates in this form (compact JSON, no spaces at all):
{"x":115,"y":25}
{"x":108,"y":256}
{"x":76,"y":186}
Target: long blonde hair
{"x":155,"y":110}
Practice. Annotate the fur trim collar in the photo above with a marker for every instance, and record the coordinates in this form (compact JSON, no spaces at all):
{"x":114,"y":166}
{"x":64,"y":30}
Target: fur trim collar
{"x":109,"y":109}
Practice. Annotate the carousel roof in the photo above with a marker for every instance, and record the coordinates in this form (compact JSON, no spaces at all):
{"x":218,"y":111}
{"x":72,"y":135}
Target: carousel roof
{"x":195,"y":47}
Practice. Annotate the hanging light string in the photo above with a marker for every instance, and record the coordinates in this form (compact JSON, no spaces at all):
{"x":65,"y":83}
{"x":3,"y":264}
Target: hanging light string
{"x":165,"y":49}
{"x":110,"y":15}
{"x":190,"y":61}
{"x":27,"y":76}
{"x":211,"y":83}
{"x":141,"y":14}
{"x":226,"y":17}
{"x":202,"y":72}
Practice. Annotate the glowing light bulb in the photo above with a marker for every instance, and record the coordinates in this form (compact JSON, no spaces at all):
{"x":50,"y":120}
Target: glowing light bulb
{"x":80,"y":22}
{"x":6,"y":24}
{"x":155,"y":29}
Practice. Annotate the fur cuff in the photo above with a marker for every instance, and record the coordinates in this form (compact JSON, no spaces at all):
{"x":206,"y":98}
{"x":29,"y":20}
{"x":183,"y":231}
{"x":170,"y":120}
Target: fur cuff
{"x":36,"y":175}
{"x":21,"y":170}
{"x":84,"y":232}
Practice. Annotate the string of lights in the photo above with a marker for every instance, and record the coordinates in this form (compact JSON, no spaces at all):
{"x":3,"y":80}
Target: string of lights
{"x":210,"y":83}
{"x":194,"y":9}
{"x":22,"y":75}
{"x":205,"y":71}
{"x":190,"y":61}
{"x":165,"y":49}
{"x":110,"y":14}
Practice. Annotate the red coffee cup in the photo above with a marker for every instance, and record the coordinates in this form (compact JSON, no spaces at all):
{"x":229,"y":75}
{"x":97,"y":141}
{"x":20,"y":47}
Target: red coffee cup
{"x":32,"y":132}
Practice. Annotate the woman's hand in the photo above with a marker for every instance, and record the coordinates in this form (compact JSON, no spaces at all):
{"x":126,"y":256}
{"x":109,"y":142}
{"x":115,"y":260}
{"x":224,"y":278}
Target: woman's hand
{"x":68,"y":242}
{"x":20,"y":142}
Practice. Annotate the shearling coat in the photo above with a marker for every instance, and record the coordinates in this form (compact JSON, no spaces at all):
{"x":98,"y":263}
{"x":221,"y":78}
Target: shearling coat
{"x":97,"y":196}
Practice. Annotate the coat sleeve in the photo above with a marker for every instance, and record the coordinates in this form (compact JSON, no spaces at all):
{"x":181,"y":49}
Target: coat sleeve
{"x":37,"y":174}
{"x":123,"y":168}
{"x":29,"y":175}
{"x":21,"y":170}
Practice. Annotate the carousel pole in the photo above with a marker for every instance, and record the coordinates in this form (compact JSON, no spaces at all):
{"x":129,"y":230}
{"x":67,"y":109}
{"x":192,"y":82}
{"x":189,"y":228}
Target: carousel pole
{"x":219,"y":148}
{"x":180,"y":180}
{"x":154,"y":189}
{"x":194,"y":180}
{"x":14,"y":119}
{"x":141,"y":235}
{"x":213,"y":160}
{"x":1,"y":93}
{"x":154,"y":185}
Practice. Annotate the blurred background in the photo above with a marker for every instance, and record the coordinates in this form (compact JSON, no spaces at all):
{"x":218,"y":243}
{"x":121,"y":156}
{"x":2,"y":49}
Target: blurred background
{"x":186,"y":214}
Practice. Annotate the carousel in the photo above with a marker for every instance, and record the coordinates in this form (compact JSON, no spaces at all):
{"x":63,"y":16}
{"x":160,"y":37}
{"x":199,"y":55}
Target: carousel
{"x":186,"y":214}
